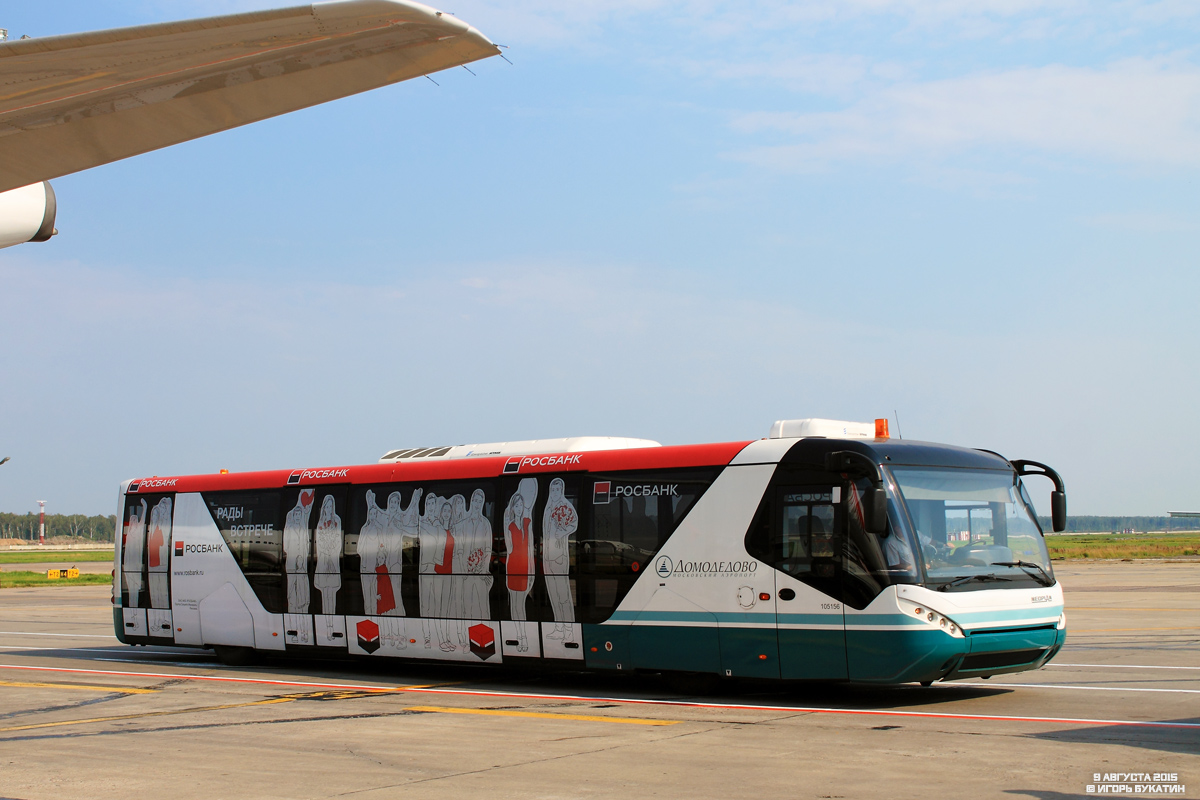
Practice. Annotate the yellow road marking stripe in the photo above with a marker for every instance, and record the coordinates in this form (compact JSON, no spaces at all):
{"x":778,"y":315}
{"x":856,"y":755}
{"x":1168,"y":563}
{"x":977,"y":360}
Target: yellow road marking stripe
{"x":122,"y":689}
{"x":495,"y":712}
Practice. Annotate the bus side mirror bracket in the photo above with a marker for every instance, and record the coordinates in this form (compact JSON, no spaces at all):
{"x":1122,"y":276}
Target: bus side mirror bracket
{"x":874,"y":500}
{"x":1058,"y":498}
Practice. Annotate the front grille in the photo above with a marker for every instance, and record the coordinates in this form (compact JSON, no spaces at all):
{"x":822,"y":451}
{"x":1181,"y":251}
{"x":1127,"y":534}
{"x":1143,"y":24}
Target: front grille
{"x":1012,"y":658}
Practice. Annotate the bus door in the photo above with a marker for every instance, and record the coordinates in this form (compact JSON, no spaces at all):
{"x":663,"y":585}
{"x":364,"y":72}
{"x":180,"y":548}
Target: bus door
{"x":807,"y":543}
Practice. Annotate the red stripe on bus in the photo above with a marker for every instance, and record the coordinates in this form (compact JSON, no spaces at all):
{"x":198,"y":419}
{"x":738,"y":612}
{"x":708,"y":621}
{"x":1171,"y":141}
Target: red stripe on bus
{"x":673,"y":457}
{"x":628,"y":701}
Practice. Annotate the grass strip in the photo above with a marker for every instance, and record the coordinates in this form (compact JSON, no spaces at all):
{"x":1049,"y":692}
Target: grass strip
{"x":44,"y":556}
{"x":1123,"y":546}
{"x":12,"y":580}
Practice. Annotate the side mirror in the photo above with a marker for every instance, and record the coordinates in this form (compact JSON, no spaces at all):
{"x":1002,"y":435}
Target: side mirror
{"x":875,"y":511}
{"x":1058,"y":497}
{"x":1058,"y":511}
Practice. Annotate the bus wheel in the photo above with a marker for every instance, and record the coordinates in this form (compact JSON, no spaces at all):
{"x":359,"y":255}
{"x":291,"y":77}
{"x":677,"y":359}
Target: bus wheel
{"x":234,"y":656}
{"x":701,"y":683}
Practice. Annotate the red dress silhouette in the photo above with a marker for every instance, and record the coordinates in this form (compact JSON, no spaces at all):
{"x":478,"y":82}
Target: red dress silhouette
{"x":518,"y":559}
{"x":156,"y":543}
{"x":447,"y":565}
{"x":387,"y":600}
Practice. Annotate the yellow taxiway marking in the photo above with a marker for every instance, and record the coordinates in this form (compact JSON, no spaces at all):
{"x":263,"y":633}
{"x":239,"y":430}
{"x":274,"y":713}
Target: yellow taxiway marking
{"x":121,"y":689}
{"x":495,"y":712}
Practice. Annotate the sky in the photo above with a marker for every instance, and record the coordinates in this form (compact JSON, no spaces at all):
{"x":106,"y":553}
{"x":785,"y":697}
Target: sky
{"x":672,"y":220}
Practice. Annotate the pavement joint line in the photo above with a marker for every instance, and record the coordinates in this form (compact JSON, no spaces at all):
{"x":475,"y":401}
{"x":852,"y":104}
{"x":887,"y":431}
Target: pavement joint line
{"x":1118,"y":666}
{"x":1086,"y":688}
{"x":146,"y":714}
{"x":68,"y":635}
{"x":220,"y":678}
{"x":1136,"y":630}
{"x":122,"y":689}
{"x":495,"y":712}
{"x":870,"y":712}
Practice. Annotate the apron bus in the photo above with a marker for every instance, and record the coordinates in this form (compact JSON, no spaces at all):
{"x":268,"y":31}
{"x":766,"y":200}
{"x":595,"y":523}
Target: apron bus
{"x":826,"y":551}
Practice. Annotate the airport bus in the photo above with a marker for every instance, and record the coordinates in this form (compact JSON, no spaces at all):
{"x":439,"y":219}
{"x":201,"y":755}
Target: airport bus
{"x":826,"y":551}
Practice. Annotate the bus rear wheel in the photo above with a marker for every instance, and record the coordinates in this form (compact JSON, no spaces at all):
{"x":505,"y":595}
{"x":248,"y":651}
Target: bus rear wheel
{"x":234,"y":656}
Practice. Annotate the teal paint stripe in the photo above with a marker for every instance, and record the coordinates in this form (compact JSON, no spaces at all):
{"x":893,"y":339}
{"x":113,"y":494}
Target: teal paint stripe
{"x":896,"y":619}
{"x":810,"y":619}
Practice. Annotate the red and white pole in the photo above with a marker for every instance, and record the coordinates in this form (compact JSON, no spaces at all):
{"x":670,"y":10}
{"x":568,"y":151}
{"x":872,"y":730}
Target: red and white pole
{"x":41,"y":522}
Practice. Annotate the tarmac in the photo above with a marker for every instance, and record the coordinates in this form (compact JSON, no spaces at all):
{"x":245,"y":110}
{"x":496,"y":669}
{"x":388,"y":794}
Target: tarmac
{"x":84,"y":716}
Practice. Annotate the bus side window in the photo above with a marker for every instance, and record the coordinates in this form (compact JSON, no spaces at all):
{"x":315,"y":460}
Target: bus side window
{"x":804,"y":529}
{"x":792,"y":554}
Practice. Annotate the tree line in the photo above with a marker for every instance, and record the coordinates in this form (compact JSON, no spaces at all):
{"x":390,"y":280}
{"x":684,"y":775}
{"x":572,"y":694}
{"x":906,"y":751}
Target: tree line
{"x":1097,"y":524}
{"x":99,"y":528}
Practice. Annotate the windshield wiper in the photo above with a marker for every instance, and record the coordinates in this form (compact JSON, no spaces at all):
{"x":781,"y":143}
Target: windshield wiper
{"x":1044,"y":579}
{"x":968,"y":578}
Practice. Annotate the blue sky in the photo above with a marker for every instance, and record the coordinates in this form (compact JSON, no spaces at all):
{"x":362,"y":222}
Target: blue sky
{"x":674,"y":220}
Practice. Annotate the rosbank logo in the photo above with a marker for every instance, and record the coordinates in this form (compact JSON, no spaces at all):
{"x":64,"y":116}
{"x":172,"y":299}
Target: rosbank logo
{"x":514,"y":465}
{"x":181,"y":548}
{"x":152,"y":483}
{"x":315,"y":474}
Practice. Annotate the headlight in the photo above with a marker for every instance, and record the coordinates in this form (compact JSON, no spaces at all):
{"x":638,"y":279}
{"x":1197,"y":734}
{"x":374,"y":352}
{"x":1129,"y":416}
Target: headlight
{"x":931,"y":617}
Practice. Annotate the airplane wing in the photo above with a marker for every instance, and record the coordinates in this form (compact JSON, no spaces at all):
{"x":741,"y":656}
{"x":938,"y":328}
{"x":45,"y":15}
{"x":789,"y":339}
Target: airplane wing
{"x":72,"y":102}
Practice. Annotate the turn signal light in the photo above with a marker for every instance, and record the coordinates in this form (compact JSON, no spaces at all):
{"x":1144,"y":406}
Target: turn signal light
{"x":764,"y":596}
{"x":226,"y":472}
{"x":881,"y":428}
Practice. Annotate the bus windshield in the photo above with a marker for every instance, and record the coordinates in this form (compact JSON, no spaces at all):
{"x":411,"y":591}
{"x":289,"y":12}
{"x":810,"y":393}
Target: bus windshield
{"x":974,"y":529}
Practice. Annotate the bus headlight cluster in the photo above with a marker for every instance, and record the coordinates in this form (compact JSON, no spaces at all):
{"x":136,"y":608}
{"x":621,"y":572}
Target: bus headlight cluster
{"x":931,"y":617}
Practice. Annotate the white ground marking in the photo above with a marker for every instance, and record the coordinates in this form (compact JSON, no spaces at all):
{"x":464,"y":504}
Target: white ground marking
{"x":1118,"y":666}
{"x":1082,"y":688}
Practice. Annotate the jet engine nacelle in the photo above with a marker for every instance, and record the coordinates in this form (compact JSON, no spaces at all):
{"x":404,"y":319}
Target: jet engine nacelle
{"x":27,"y":214}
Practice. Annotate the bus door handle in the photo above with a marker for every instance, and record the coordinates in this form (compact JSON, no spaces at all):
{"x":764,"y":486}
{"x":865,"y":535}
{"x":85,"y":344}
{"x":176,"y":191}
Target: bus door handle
{"x":787,"y":594}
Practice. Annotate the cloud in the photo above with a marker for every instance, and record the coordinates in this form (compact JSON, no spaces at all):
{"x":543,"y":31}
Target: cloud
{"x":1135,"y":111}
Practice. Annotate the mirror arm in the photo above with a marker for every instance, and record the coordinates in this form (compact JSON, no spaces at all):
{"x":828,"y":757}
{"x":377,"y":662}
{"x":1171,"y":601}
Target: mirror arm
{"x":850,"y":461}
{"x":1023,"y":468}
{"x":1058,"y":498}
{"x":875,"y":499}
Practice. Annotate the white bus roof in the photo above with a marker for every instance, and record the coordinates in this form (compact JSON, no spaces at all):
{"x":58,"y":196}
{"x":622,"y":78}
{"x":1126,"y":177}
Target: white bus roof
{"x":572,"y":444}
{"x":824,"y":428}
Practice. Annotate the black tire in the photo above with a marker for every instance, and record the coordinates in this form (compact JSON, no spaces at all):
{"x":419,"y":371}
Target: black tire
{"x":234,"y":656}
{"x":696,"y":683}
